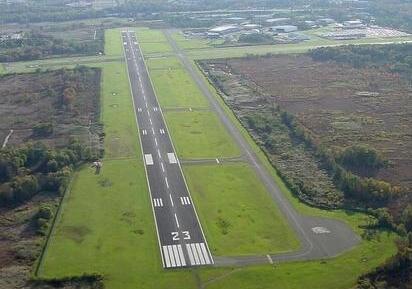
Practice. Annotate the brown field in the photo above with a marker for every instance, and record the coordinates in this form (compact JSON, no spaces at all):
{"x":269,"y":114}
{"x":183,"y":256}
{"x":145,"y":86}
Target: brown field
{"x":341,"y":105}
{"x":27,"y":100}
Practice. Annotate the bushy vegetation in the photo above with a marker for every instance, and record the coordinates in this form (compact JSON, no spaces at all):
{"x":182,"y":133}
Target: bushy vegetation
{"x":36,"y":45}
{"x":33,"y":168}
{"x":393,"y":57}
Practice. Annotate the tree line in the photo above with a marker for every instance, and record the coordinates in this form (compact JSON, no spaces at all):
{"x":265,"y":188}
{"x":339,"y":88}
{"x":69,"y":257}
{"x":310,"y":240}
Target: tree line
{"x":35,"y":45}
{"x":395,"y":58}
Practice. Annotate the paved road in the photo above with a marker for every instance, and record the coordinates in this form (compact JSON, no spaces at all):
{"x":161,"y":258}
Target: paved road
{"x":319,"y":237}
{"x":181,"y":239}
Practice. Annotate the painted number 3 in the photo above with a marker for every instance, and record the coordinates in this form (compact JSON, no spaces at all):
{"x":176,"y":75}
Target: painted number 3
{"x":175,"y":235}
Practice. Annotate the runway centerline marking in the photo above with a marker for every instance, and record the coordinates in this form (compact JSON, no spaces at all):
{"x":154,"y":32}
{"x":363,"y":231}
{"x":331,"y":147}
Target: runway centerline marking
{"x":156,"y":141}
{"x":171,"y":200}
{"x":163,"y":167}
{"x":167,"y":182}
{"x":177,"y":221}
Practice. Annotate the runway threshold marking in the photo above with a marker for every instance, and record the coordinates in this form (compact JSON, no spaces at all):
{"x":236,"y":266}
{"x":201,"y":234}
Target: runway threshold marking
{"x":162,"y":131}
{"x":173,"y":256}
{"x":158,"y":202}
{"x":185,"y":200}
{"x":198,"y":254}
{"x":172,"y":158}
{"x":148,"y":159}
{"x":144,"y":132}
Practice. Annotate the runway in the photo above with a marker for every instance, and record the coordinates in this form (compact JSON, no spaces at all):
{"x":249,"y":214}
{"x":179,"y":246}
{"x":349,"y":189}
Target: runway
{"x":181,"y":239}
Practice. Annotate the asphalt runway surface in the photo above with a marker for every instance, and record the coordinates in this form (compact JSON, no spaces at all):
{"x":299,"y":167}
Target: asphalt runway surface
{"x":181,"y":239}
{"x":319,"y":237}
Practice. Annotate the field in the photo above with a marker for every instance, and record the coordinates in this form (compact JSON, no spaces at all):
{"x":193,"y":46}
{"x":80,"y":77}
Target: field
{"x":242,"y":51}
{"x":109,"y":228}
{"x":199,"y":134}
{"x":30,"y":100}
{"x":342,"y":106}
{"x":194,"y":43}
{"x":153,"y":41}
{"x":227,"y":206}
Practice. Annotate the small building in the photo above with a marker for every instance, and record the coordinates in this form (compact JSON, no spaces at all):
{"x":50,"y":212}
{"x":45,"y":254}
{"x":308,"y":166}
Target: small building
{"x":224,"y":29}
{"x":284,"y":28}
{"x":353,"y":24}
{"x":326,"y":21}
{"x":272,"y":21}
{"x":251,"y":26}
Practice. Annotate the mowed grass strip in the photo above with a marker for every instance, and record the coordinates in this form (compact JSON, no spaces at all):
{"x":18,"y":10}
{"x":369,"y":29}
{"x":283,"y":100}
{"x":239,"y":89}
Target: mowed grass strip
{"x":117,"y":113}
{"x":113,"y":44}
{"x":150,"y":35}
{"x":194,"y":42}
{"x":238,"y":215}
{"x":200,"y":135}
{"x":155,"y":47}
{"x":163,"y":63}
{"x":175,"y":88}
{"x":338,"y":273}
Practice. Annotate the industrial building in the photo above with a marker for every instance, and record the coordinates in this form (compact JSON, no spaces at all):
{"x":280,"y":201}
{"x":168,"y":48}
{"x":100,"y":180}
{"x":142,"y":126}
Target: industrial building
{"x":284,"y":28}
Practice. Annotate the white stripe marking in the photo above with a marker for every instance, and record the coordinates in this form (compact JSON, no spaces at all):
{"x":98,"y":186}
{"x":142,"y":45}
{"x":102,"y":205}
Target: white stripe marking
{"x":144,"y":132}
{"x":176,"y":254}
{"x":205,"y":253}
{"x":270,"y":259}
{"x":172,"y":259}
{"x":158,"y":153}
{"x":153,"y":130}
{"x":150,"y":120}
{"x":199,"y":251}
{"x":171,"y":200}
{"x":148,"y":159}
{"x":163,"y":167}
{"x":166,"y":256}
{"x":177,"y":221}
{"x":156,"y":142}
{"x":217,"y":160}
{"x":172,"y":158}
{"x":193,"y":247}
{"x":182,"y":257}
{"x":167,"y":183}
{"x":139,"y":110}
{"x":189,"y":252}
{"x":162,"y":131}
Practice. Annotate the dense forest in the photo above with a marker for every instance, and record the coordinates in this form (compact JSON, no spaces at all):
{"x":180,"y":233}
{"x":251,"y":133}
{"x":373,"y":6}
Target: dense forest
{"x":35,"y":45}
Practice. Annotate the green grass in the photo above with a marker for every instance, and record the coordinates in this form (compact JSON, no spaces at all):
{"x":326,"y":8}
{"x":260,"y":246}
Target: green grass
{"x":175,"y":88}
{"x":112,"y":42}
{"x":163,"y":63}
{"x":337,"y":273}
{"x":194,"y":43}
{"x":200,"y":134}
{"x":241,"y":51}
{"x":120,"y":140}
{"x":2,"y":69}
{"x":155,"y":47}
{"x":238,"y":214}
{"x":150,"y":35}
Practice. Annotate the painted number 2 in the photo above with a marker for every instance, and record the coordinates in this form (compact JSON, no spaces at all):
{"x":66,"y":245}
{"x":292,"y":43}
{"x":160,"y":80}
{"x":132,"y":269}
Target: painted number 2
{"x":175,"y":235}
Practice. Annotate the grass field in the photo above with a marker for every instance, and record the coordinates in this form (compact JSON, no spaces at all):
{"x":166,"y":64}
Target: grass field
{"x":2,"y":69}
{"x":175,"y":88}
{"x":241,"y":51}
{"x":239,"y":216}
{"x":200,"y":134}
{"x":194,"y":43}
{"x":337,"y":273}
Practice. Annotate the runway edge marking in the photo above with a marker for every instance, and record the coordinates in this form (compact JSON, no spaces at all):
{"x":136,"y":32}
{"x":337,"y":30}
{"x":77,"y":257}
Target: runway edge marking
{"x":141,"y":148}
{"x":174,"y":149}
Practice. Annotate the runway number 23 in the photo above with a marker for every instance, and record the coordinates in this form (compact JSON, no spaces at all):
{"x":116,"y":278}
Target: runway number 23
{"x":175,"y":235}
